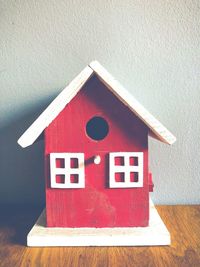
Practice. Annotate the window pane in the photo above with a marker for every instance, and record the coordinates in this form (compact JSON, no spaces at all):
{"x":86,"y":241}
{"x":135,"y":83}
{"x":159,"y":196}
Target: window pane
{"x":133,"y":161}
{"x":74,"y":163}
{"x":74,"y":178}
{"x":134,"y":177}
{"x":119,"y":177}
{"x":60,"y":178}
{"x":119,"y":161}
{"x":60,"y":163}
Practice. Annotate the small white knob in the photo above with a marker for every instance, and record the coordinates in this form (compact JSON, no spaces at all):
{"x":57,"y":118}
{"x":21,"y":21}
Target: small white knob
{"x":97,"y":159}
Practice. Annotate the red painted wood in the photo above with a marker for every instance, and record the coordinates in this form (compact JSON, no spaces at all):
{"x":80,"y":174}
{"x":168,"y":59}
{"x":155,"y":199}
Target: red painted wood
{"x":151,"y":185}
{"x":96,"y":205}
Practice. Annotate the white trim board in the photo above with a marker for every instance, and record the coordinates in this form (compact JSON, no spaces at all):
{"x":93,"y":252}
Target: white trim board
{"x":156,"y":234}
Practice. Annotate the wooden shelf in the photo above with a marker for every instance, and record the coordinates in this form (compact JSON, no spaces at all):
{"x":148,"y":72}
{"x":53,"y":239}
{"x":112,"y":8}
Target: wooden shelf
{"x":183,"y":223}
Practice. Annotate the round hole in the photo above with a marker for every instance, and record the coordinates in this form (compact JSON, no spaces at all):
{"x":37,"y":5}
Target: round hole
{"x":97,"y":128}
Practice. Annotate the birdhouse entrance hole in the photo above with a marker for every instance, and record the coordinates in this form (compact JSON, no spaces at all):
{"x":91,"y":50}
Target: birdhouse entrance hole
{"x":97,"y":128}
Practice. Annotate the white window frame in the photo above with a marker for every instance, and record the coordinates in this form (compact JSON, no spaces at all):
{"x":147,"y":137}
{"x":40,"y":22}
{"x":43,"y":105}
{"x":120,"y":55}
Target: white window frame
{"x":126,"y":169}
{"x":67,"y":170}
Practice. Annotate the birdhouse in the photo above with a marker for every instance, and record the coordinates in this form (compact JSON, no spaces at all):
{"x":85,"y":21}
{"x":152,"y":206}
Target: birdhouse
{"x":96,"y":154}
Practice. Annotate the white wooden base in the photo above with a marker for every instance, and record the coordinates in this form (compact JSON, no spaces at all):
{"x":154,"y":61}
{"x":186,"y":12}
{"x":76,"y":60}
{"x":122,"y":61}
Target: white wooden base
{"x":156,"y":234}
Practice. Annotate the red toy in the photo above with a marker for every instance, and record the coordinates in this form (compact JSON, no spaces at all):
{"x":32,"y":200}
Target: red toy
{"x":96,"y":153}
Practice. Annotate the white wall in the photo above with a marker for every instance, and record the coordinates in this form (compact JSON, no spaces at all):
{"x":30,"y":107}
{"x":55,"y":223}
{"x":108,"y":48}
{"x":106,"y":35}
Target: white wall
{"x":151,"y":47}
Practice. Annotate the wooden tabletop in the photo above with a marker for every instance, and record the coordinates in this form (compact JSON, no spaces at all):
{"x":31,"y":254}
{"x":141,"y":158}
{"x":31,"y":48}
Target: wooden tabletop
{"x":183,"y":222}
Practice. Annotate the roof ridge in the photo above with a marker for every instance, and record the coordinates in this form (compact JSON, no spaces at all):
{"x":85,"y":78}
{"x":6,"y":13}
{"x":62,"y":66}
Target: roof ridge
{"x":70,"y":91}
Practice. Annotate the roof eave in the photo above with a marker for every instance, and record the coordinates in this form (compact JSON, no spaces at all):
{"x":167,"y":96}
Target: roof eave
{"x":159,"y":131}
{"x":54,"y":108}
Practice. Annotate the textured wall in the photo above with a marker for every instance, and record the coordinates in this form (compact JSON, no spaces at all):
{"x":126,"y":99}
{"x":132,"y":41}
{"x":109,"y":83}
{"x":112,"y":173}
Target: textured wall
{"x":151,"y":47}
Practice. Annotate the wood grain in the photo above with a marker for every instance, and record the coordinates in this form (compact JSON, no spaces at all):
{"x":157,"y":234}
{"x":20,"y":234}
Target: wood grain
{"x":183,"y":223}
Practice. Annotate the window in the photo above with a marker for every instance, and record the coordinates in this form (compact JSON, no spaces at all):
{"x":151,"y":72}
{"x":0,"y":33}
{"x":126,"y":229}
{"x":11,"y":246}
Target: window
{"x":126,"y":169}
{"x":97,"y":128}
{"x":67,"y":170}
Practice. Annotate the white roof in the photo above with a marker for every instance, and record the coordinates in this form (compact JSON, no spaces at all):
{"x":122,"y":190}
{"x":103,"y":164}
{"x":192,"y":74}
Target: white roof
{"x":157,"y":130}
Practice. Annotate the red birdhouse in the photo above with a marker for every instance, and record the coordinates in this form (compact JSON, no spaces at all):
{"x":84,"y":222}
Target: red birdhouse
{"x":96,"y":153}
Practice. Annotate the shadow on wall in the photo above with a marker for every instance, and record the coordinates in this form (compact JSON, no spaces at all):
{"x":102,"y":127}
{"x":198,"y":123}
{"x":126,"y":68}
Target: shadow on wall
{"x":22,"y":170}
